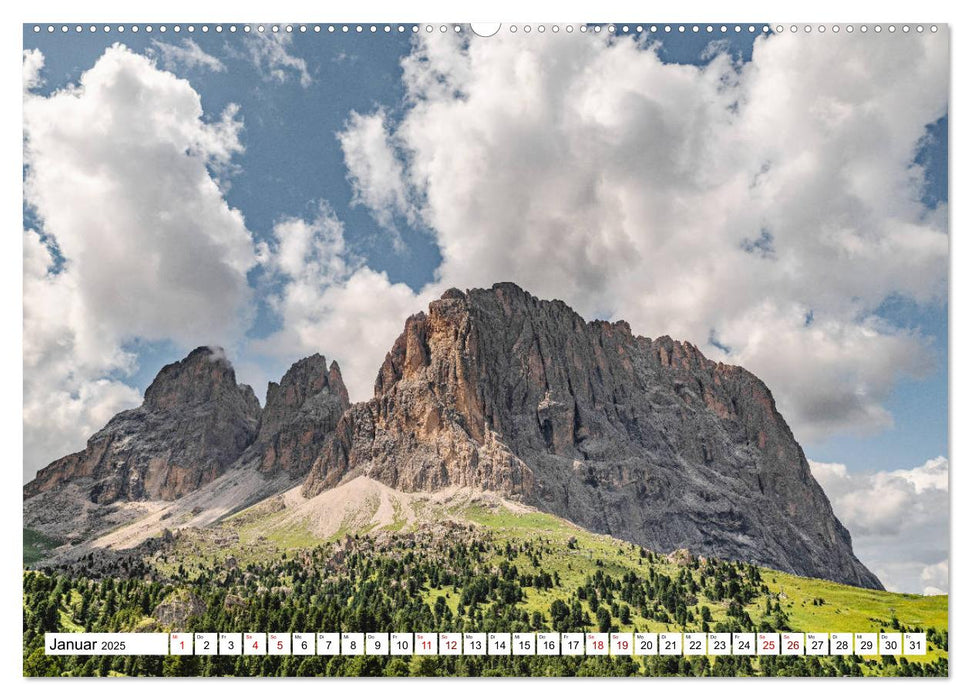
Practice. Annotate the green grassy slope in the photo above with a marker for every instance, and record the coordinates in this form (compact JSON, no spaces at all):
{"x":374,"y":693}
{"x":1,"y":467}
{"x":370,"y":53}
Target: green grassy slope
{"x":575,"y":554}
{"x":36,"y":546}
{"x":468,"y":565}
{"x":811,"y":604}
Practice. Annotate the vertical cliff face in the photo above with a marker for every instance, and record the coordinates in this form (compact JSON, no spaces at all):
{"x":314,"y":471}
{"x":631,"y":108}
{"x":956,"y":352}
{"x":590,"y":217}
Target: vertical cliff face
{"x":643,"y":439}
{"x":300,"y":415}
{"x":194,"y":423}
{"x":425,"y":427}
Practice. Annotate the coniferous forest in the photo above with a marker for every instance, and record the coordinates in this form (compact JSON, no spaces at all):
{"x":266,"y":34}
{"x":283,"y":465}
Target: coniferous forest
{"x":448,"y":578}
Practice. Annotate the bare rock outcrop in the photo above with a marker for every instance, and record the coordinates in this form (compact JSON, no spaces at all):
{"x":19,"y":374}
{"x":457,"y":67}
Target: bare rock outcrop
{"x":646,"y":440}
{"x":194,"y":423}
{"x":178,"y":608}
{"x":200,"y":440}
{"x":300,"y":415}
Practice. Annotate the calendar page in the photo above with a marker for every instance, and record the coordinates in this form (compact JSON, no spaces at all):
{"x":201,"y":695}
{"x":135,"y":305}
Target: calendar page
{"x":425,"y":349}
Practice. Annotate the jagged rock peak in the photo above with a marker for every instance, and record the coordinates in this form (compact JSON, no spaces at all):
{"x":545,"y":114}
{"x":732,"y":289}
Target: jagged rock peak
{"x":301,"y":412}
{"x":337,"y":384}
{"x":200,"y":377}
{"x":504,"y":302}
{"x":305,"y":378}
{"x":194,"y":422}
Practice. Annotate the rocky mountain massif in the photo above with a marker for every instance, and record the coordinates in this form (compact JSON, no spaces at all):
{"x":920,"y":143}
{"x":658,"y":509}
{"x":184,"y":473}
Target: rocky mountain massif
{"x":196,"y":427}
{"x":645,"y":440}
{"x":493,"y":389}
{"x":195,"y":421}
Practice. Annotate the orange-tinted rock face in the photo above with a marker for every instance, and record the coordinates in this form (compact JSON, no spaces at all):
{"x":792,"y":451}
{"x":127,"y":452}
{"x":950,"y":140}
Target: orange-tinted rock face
{"x":194,"y":423}
{"x":645,"y":440}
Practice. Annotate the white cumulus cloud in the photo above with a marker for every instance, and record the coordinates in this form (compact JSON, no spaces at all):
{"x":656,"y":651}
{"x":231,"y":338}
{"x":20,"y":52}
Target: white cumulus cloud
{"x":767,"y":207}
{"x":133,"y":239}
{"x":375,"y":171}
{"x":899,"y":521}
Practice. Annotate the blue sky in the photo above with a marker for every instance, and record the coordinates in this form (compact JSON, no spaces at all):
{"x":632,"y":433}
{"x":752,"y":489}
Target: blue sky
{"x":292,"y":156}
{"x":297,"y":172}
{"x":293,"y":159}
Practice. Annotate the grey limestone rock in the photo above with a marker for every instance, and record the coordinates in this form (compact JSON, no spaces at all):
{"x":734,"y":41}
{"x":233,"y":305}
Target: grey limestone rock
{"x":300,"y":414}
{"x":646,"y":440}
{"x":194,"y":423}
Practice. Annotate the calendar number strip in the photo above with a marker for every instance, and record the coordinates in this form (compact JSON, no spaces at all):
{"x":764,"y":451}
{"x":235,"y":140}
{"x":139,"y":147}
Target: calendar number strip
{"x":491,"y":644}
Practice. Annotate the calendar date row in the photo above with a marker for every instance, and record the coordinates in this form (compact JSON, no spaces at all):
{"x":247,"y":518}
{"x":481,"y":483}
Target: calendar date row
{"x":491,"y":643}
